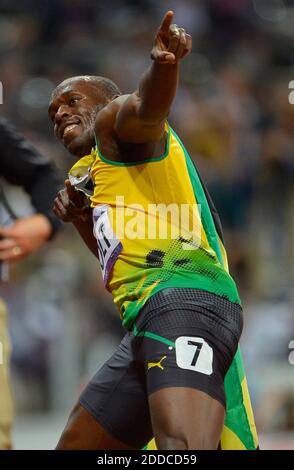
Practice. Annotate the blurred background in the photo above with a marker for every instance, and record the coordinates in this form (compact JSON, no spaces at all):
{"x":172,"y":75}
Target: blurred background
{"x":233,"y":113}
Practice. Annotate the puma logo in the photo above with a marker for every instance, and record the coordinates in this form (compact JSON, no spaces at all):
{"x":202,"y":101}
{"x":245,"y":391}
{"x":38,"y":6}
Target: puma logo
{"x":156,"y":364}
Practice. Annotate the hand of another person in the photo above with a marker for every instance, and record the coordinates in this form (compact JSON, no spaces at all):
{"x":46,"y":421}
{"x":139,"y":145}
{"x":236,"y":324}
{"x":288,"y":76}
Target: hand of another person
{"x":24,"y":237}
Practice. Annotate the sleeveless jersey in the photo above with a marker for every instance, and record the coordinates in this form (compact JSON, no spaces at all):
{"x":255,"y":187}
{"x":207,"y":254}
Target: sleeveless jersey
{"x":155,"y":229}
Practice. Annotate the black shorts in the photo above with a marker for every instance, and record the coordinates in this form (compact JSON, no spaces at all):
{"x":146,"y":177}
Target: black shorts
{"x":181,"y":338}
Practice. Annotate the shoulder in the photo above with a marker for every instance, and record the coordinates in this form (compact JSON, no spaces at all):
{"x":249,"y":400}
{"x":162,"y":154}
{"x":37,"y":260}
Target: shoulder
{"x":106,"y":117}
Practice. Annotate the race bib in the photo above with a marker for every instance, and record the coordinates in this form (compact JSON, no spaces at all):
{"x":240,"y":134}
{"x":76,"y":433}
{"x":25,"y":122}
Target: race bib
{"x":109,"y":246}
{"x":194,"y":354}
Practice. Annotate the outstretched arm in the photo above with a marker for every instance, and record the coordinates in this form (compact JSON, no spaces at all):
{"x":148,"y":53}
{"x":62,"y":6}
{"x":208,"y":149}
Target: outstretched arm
{"x":141,"y":117}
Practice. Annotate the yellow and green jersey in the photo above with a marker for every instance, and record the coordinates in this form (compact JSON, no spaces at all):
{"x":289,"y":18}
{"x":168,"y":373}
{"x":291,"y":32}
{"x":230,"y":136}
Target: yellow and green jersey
{"x":160,"y":214}
{"x":138,"y":259}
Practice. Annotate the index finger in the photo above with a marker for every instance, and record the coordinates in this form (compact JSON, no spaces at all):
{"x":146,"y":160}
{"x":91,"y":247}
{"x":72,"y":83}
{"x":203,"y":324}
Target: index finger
{"x":167,"y":21}
{"x":70,"y":189}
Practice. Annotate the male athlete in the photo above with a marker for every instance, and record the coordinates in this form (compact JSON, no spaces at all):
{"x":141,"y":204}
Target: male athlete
{"x":177,"y":374}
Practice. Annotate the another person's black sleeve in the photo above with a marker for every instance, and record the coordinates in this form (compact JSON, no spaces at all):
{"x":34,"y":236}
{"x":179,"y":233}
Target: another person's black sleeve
{"x":22,"y":165}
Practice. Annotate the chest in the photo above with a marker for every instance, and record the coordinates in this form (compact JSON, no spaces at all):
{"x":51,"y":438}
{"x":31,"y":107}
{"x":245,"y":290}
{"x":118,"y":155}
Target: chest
{"x":123,"y":152}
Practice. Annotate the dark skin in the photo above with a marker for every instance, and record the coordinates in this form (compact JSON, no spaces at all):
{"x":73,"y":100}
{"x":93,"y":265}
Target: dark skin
{"x":129,"y":127}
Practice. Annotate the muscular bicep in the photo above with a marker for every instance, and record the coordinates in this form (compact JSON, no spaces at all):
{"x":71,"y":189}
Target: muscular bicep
{"x":132,"y":126}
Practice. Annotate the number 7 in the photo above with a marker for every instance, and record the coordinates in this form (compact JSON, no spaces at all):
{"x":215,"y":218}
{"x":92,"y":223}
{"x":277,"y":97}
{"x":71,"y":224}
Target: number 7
{"x":197,"y":352}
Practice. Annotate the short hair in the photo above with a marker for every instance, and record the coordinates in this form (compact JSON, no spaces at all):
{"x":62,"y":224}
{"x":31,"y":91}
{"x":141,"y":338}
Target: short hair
{"x":105,"y":85}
